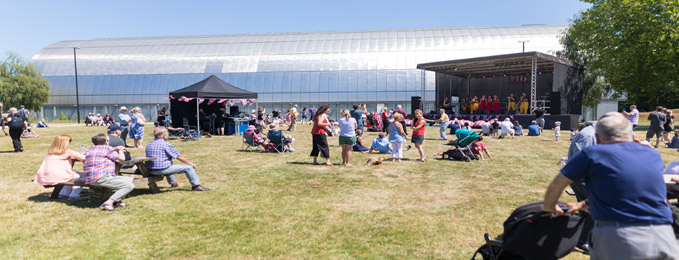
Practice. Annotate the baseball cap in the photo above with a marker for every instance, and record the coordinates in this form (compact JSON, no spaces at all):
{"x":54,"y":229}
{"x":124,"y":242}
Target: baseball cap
{"x":114,"y":127}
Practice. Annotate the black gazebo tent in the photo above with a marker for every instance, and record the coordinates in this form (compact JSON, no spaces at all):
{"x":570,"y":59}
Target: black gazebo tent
{"x":211,"y":87}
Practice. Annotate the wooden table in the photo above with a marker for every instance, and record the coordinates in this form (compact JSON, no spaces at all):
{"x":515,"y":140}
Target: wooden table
{"x":147,"y":177}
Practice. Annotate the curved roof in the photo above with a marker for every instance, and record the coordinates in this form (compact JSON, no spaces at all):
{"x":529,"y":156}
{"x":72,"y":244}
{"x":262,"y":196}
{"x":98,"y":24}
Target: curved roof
{"x":310,"y":51}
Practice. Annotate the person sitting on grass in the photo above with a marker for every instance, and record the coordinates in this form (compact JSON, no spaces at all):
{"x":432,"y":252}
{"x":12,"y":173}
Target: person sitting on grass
{"x":507,"y":128}
{"x":478,"y":148}
{"x":42,"y":123}
{"x":164,"y":152}
{"x":675,"y":141}
{"x":486,"y":128}
{"x":29,"y":132}
{"x":359,"y":146}
{"x":57,"y":167}
{"x":518,"y":130}
{"x":534,"y":129}
{"x":100,"y":171}
{"x":381,"y":144}
{"x":108,"y":119}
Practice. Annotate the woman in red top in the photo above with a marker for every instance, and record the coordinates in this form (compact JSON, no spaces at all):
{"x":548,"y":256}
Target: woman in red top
{"x":482,"y":104}
{"x":385,"y":119}
{"x":496,"y":105}
{"x":320,"y":141}
{"x":418,"y":133}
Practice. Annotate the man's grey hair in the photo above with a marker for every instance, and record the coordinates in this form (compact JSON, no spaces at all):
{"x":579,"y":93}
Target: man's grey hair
{"x":398,"y":106}
{"x":159,"y":132}
{"x":633,"y":106}
{"x":614,"y":127}
{"x":12,"y":110}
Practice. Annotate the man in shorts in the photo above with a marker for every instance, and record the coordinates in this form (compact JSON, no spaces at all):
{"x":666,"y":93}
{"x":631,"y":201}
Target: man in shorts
{"x":657,"y":119}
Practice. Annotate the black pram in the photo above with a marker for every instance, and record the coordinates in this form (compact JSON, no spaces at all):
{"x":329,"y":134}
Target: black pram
{"x":528,"y":234}
{"x":463,"y":149}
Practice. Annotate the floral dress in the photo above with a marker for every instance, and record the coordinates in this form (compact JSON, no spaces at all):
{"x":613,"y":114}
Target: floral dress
{"x":136,"y":130}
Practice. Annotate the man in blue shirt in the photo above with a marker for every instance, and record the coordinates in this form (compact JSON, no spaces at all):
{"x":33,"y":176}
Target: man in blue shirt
{"x":534,"y":129}
{"x":164,"y":152}
{"x":357,"y":113}
{"x":124,"y":119}
{"x":626,"y":194}
{"x":380,"y":144}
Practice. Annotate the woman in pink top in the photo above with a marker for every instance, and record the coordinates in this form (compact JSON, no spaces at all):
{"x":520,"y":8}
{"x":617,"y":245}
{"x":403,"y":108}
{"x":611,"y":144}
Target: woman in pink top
{"x":57,"y":167}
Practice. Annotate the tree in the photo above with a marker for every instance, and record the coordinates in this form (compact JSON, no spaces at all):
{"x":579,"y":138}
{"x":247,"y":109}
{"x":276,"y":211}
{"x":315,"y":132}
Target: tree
{"x":632,"y":43}
{"x":22,"y":84}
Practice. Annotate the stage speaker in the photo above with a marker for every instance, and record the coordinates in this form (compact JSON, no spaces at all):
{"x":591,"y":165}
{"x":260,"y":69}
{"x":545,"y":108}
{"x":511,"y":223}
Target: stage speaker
{"x":415,"y":102}
{"x":234,"y":111}
{"x":555,"y":103}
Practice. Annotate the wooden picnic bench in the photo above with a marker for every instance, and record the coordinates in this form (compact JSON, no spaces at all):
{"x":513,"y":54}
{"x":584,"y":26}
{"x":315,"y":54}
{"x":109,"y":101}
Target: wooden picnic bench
{"x":147,"y":178}
{"x":141,"y":169}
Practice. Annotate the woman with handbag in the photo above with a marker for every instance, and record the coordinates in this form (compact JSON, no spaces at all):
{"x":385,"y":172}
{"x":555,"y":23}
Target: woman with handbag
{"x":137,"y":127}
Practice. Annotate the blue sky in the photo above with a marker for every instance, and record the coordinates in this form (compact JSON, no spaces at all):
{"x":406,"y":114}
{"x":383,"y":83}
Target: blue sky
{"x":29,"y":25}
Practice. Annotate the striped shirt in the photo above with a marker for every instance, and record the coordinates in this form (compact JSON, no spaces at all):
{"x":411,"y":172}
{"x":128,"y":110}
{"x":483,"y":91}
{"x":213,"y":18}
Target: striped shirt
{"x":99,"y":161}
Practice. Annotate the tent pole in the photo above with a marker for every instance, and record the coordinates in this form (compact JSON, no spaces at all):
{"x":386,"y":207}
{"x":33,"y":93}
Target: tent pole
{"x":197,"y":116}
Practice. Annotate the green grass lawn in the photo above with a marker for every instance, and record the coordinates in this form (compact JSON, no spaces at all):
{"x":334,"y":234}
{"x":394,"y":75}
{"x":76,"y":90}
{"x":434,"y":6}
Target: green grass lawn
{"x":265,"y":205}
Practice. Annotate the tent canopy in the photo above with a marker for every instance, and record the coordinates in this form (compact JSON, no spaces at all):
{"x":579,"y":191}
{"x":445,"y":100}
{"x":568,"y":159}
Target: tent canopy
{"x":213,"y":87}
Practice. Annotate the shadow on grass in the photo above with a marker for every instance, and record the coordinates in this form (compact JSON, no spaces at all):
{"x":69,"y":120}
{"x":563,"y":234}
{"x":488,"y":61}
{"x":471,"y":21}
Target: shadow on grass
{"x":301,"y":163}
{"x":92,"y":199}
{"x":10,"y":151}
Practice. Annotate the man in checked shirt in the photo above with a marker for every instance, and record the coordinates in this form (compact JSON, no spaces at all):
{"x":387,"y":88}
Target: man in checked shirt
{"x":100,"y":170}
{"x":164,"y":152}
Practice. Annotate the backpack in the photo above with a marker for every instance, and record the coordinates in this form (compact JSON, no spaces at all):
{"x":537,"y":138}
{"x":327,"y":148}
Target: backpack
{"x":16,"y":123}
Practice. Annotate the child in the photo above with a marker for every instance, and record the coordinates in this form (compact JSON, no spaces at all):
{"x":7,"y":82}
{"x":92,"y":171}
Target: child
{"x":496,"y":128}
{"x":574,"y":132}
{"x":557,"y":130}
{"x":478,"y":148}
{"x":358,"y":146}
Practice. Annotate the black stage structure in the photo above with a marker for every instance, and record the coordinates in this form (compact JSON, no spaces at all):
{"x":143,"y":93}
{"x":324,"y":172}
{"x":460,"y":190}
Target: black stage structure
{"x":548,"y":81}
{"x":211,"y":87}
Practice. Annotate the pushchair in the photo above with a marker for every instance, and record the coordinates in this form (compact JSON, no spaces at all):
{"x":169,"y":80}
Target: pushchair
{"x":463,"y":149}
{"x":528,"y":234}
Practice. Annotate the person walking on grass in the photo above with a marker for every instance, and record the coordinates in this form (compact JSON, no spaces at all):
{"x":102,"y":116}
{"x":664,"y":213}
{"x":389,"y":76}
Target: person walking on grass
{"x":124,"y":120}
{"x":445,"y":122}
{"x":656,"y":128}
{"x":397,"y":137}
{"x":17,"y":124}
{"x":319,"y":137}
{"x":347,"y":138}
{"x":418,"y":133}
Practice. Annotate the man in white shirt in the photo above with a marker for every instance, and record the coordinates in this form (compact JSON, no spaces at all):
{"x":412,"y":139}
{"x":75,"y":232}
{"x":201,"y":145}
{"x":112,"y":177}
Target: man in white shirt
{"x":632,"y":116}
{"x":485,"y":128}
{"x":506,"y":127}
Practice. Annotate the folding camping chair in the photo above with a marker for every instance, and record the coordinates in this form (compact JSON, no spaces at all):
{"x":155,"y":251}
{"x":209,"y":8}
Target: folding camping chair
{"x":276,"y":141}
{"x":249,"y":144}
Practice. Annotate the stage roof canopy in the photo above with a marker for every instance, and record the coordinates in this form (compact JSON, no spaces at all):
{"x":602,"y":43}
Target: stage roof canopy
{"x":499,"y":65}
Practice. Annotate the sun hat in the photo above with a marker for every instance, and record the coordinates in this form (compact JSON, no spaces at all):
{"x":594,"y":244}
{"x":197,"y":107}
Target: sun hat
{"x":123,"y":108}
{"x":251,"y":127}
{"x":273,"y":126}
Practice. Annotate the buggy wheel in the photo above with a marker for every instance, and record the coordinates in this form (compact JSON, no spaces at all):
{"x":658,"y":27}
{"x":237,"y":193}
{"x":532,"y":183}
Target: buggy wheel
{"x":477,"y":157}
{"x":466,"y":159}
